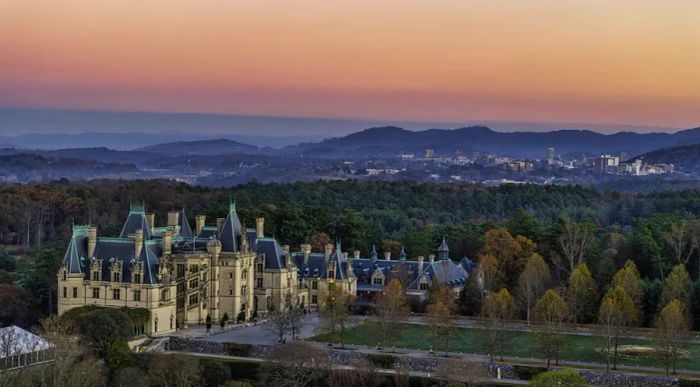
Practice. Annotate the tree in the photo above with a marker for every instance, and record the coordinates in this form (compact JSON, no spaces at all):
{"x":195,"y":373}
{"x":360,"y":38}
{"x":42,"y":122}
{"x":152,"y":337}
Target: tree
{"x":208,"y":323}
{"x":532,"y":282}
{"x":173,"y":371}
{"x":294,"y":364}
{"x":498,"y":308}
{"x":525,"y":224}
{"x":15,"y":307}
{"x":617,"y":312}
{"x":488,"y":275}
{"x":582,"y":293}
{"x":510,"y":253}
{"x":335,"y":315}
{"x":353,"y":228}
{"x":278,"y":323}
{"x":214,"y":372}
{"x":295,"y":317}
{"x":119,"y":356}
{"x":318,"y":241}
{"x":551,"y":312}
{"x":564,"y":378}
{"x":679,"y":237}
{"x":677,"y":286}
{"x":391,"y":305}
{"x":628,"y":279}
{"x":102,"y":327}
{"x":440,"y":316}
{"x":573,"y":242}
{"x":357,"y":372}
{"x":671,"y":334}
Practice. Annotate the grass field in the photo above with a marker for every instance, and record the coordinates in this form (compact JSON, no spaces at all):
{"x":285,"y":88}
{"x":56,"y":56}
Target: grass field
{"x":521,"y":344}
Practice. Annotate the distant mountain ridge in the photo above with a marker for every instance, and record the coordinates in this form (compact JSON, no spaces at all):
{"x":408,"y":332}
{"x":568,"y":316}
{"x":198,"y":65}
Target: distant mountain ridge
{"x":391,"y":140}
{"x":684,"y":157}
{"x":215,"y":147}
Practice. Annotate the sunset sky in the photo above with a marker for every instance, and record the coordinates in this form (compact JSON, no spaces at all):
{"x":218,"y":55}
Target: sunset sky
{"x":594,"y":61}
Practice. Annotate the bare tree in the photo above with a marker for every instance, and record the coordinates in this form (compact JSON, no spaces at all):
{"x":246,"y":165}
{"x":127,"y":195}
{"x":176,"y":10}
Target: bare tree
{"x":617,"y":312}
{"x":278,"y":323}
{"x":335,"y":315}
{"x":679,"y":237}
{"x":293,"y":365}
{"x":498,"y":308}
{"x":356,"y":372}
{"x":573,"y":241}
{"x":174,"y":371}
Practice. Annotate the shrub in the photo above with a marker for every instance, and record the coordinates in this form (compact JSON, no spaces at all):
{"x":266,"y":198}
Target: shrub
{"x":381,"y":360}
{"x":214,"y":372}
{"x":563,"y":377}
{"x":527,"y":372}
{"x":235,"y":349}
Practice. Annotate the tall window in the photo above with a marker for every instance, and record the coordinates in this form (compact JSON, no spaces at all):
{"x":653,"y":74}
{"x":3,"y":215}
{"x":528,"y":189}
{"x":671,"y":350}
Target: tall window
{"x":95,"y":292}
{"x":244,"y":274}
{"x":260,"y":267}
{"x":314,"y":299}
{"x":260,"y":282}
{"x":137,"y":278}
{"x":95,"y":275}
{"x":75,"y":292}
{"x":194,"y":283}
{"x":194,"y":269}
{"x":314,"y":285}
{"x":116,"y":277}
{"x":65,"y":292}
{"x":137,"y":295}
{"x":180,"y":270}
{"x":194,"y":299}
{"x":116,"y":294}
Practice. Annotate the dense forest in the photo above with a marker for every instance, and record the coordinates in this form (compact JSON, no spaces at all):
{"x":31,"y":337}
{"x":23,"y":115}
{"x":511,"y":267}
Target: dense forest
{"x":656,"y":230}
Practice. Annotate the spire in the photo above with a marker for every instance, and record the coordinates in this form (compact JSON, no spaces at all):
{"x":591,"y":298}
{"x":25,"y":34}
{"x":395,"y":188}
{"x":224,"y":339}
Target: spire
{"x":402,"y":254}
{"x":373,"y":253}
{"x":443,"y":250}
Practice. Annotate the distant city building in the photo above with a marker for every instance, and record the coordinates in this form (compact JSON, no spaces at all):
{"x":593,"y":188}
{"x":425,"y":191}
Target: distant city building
{"x":550,"y":156}
{"x":429,"y":153}
{"x":606,"y":163}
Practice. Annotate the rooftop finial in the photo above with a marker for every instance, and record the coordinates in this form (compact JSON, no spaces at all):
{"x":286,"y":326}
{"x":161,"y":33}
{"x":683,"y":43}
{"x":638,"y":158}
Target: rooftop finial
{"x":231,"y":204}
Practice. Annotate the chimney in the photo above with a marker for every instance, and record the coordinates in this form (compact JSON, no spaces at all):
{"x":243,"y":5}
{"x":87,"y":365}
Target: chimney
{"x":387,"y":255}
{"x":220,"y":224}
{"x":173,"y":218}
{"x":199,"y":222}
{"x":285,"y":248}
{"x":431,"y":258}
{"x":420,"y":264}
{"x":259,"y":228}
{"x":348,"y":269}
{"x":92,"y":241}
{"x":306,"y":249}
{"x":328,"y":251}
{"x":138,"y":242}
{"x":356,"y":254}
{"x":151,"y":219}
{"x":167,"y":242}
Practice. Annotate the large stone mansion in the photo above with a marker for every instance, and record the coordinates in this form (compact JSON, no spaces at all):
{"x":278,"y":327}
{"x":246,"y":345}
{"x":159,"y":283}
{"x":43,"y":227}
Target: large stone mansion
{"x":182,"y":275}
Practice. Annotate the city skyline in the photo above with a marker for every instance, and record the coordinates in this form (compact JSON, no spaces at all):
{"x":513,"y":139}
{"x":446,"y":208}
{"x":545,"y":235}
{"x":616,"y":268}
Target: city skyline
{"x":615,"y":63}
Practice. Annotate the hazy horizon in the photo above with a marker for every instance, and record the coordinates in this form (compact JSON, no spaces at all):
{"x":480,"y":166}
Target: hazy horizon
{"x":450,"y":61}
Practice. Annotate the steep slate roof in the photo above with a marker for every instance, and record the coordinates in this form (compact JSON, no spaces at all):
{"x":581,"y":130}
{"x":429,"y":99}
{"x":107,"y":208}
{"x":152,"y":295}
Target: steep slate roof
{"x":274,"y":254}
{"x":185,"y":228}
{"x":77,"y":250}
{"x":110,"y":250}
{"x":231,"y":230}
{"x":136,"y":220}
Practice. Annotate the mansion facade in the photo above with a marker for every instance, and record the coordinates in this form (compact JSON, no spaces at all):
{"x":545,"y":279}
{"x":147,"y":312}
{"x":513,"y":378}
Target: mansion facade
{"x":182,"y":275}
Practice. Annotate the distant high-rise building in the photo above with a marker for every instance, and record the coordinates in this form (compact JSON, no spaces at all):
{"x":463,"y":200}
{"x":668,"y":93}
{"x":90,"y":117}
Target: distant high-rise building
{"x":550,"y":155}
{"x":429,"y":153}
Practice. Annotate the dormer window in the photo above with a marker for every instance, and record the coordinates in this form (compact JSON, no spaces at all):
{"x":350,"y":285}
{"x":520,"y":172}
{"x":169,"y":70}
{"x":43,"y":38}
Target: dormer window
{"x":137,"y":278}
{"x":116,"y":277}
{"x":95,"y":275}
{"x":244,"y":274}
{"x":377,"y":281}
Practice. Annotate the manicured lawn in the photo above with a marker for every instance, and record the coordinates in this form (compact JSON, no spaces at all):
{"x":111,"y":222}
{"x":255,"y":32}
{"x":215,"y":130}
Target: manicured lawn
{"x":520,"y":344}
